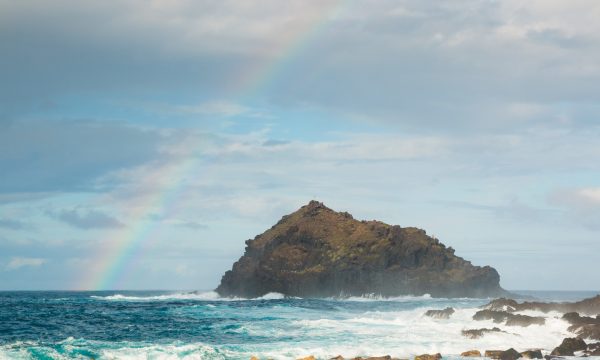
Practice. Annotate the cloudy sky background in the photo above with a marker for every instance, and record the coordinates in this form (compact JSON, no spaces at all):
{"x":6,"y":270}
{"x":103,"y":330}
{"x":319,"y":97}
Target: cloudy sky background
{"x":183,"y":128}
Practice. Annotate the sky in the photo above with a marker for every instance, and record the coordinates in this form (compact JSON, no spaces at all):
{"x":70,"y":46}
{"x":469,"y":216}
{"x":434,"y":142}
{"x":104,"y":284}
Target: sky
{"x":142,"y":142}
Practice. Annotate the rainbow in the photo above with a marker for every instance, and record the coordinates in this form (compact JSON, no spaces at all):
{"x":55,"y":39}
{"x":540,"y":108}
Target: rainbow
{"x":117,"y":256}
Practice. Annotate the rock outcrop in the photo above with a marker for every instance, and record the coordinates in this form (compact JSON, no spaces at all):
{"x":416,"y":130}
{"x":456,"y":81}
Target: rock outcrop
{"x":440,"y":314}
{"x":437,"y":356}
{"x":590,"y":306}
{"x":584,"y":326}
{"x":569,"y":346}
{"x":510,"y":354}
{"x":510,"y":318}
{"x":471,"y":353}
{"x":532,"y":354}
{"x":317,"y":252}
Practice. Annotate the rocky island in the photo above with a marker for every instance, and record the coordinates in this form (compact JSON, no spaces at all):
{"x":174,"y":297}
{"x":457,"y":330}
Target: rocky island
{"x":318,"y":252}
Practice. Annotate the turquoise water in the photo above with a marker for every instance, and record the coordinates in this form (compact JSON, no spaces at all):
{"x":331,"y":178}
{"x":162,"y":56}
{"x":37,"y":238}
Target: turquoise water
{"x":180,"y":325}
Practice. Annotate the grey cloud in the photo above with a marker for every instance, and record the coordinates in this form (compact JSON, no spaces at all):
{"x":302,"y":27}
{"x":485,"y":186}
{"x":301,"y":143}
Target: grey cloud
{"x":424,"y":66}
{"x":13,"y":224}
{"x":557,"y":37}
{"x":65,"y":156}
{"x":183,"y":223}
{"x":191,"y":225}
{"x":86,"y":219}
{"x":273,"y":142}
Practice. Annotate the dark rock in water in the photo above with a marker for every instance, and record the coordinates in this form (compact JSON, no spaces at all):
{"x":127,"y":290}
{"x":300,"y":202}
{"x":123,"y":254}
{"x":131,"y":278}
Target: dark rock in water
{"x":511,"y":319}
{"x":510,"y":354}
{"x":569,"y":346}
{"x":584,"y":326}
{"x":437,"y":356}
{"x":471,"y":353}
{"x":524,"y":320}
{"x":317,"y":252}
{"x":502,"y":304}
{"x":477,"y":333}
{"x":496,"y":316}
{"x":440,"y":314}
{"x":587,"y":306}
{"x":594,"y":349}
{"x":586,"y":331}
{"x":494,"y":354}
{"x":532,"y":354}
{"x":553,"y":357}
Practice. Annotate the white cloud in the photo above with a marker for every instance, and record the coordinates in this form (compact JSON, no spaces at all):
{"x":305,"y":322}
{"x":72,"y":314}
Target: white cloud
{"x":219,"y":108}
{"x":20,"y":262}
{"x":582,"y":205}
{"x":581,"y":199}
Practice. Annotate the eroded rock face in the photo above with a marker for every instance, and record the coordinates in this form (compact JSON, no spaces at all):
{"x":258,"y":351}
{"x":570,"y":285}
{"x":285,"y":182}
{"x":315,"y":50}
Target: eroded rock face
{"x":317,"y":252}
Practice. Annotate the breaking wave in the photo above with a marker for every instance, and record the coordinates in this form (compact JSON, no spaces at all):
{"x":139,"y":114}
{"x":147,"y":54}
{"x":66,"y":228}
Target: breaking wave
{"x":194,"y":295}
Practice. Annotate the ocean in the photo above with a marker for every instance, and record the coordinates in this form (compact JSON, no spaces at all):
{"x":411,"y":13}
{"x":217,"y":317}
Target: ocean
{"x":200,"y":325}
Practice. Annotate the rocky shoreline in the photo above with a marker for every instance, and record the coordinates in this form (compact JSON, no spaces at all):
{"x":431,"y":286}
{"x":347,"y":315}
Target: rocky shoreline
{"x":585,"y":328}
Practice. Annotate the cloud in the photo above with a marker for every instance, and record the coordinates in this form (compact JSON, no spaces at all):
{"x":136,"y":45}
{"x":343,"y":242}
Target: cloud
{"x":420,"y":65}
{"x":41,"y":158}
{"x":16,"y":263}
{"x":173,"y":221}
{"x":585,"y":198}
{"x":581,"y":204}
{"x":13,"y":224}
{"x":218,"y":108}
{"x":86,"y":219}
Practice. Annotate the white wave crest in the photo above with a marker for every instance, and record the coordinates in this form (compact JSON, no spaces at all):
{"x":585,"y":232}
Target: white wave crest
{"x":194,"y":295}
{"x":375,"y":297}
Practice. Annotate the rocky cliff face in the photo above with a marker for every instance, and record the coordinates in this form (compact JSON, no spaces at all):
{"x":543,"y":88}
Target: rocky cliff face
{"x":317,"y":252}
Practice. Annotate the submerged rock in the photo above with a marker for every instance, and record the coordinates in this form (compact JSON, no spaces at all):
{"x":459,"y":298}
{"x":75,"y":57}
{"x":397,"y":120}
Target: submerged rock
{"x":477,"y":333}
{"x":532,"y":354}
{"x":440,"y":314}
{"x":569,"y":346}
{"x":471,"y":353}
{"x":317,"y":252}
